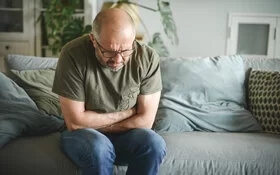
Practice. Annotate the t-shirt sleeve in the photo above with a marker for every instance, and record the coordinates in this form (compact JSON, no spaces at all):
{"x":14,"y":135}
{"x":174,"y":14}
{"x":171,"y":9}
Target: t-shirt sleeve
{"x":151,"y":82}
{"x":69,"y":79}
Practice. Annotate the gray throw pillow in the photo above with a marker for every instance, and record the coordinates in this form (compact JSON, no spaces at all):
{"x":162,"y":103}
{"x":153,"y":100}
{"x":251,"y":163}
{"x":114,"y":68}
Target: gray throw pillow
{"x":19,"y":115}
{"x":38,"y":85}
{"x":204,"y":94}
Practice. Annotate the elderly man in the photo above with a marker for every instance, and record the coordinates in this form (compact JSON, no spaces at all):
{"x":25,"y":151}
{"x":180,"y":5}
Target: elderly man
{"x":109,"y":88}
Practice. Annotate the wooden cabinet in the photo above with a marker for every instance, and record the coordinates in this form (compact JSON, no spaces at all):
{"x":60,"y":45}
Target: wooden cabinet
{"x":21,"y":28}
{"x":16,"y":28}
{"x":12,"y":47}
{"x":255,"y":35}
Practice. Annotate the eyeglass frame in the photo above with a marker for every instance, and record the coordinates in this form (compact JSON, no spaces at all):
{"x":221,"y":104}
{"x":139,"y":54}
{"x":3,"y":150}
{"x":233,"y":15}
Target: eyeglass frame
{"x":115,"y":52}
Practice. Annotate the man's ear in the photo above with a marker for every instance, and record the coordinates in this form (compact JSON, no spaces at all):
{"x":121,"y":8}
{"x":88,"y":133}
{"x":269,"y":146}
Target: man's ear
{"x":92,"y":39}
{"x":91,"y":36}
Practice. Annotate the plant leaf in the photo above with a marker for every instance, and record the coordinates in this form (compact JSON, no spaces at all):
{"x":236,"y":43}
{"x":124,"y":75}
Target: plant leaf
{"x":74,"y":29}
{"x":87,"y":29}
{"x":61,"y":27}
{"x":158,"y":44}
{"x":168,"y":22}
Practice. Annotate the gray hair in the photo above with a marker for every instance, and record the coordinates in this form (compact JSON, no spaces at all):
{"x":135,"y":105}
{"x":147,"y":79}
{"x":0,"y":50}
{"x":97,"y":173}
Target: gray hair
{"x":100,"y":17}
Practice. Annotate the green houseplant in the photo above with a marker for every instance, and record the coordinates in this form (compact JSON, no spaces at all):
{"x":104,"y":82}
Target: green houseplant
{"x":62,"y":26}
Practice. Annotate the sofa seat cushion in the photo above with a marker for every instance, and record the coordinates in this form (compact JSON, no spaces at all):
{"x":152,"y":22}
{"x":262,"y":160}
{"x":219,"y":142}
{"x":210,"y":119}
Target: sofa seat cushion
{"x":42,"y":155}
{"x":187,"y":153}
{"x":221,"y":153}
{"x":35,"y":155}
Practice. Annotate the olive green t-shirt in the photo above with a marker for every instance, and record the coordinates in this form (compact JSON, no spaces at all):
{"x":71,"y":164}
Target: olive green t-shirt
{"x":79,"y":76}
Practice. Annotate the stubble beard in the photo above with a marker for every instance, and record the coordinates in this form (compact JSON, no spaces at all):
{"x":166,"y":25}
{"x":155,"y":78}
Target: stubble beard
{"x":105,"y":65}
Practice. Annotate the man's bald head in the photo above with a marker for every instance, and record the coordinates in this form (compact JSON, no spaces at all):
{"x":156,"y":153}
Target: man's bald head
{"x":113,"y":21}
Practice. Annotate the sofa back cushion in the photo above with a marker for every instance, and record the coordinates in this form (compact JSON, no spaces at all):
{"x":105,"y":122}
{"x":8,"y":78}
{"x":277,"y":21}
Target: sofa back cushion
{"x":204,"y":94}
{"x":35,"y":75}
{"x":265,"y":64}
{"x":21,"y":62}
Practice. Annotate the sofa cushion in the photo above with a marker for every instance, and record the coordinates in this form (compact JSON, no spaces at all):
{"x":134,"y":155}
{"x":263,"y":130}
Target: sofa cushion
{"x":204,"y":94}
{"x":21,"y":62}
{"x":271,"y":64}
{"x":19,"y":114}
{"x":36,"y":155}
{"x":215,"y":153}
{"x":264,"y":99}
{"x":188,"y":153}
{"x":38,"y":85}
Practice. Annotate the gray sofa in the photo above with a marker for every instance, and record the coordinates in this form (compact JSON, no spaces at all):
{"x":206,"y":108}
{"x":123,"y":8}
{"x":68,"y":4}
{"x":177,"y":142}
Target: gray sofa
{"x":221,"y":141}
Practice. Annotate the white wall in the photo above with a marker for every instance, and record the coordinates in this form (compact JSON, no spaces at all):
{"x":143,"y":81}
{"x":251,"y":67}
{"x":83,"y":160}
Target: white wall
{"x":202,"y":24}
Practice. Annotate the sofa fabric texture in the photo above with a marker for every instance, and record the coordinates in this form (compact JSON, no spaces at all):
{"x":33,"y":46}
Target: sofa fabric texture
{"x":264,"y":99}
{"x":203,"y":117}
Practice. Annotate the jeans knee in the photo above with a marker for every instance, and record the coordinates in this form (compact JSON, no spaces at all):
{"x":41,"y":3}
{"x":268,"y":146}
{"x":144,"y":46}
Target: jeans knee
{"x":153,"y":141}
{"x":87,"y":147}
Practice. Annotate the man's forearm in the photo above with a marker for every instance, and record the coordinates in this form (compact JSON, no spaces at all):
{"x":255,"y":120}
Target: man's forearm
{"x":91,"y":119}
{"x":136,"y":121}
{"x":144,"y":118}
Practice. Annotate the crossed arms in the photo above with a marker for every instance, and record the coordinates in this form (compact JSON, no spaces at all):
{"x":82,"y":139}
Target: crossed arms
{"x":141,"y":116}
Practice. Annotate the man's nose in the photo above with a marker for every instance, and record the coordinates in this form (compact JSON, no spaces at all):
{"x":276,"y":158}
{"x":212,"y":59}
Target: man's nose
{"x":118,"y":58}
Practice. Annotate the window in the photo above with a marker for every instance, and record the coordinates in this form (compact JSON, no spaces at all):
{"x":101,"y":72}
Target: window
{"x":253,"y":35}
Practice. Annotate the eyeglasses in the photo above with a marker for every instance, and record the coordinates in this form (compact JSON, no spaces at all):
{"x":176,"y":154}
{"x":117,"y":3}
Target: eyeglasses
{"x":111,"y":54}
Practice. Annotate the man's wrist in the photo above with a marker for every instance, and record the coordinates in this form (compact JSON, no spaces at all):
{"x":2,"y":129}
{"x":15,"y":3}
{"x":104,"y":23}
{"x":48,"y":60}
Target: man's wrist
{"x":127,"y":113}
{"x":133,"y":111}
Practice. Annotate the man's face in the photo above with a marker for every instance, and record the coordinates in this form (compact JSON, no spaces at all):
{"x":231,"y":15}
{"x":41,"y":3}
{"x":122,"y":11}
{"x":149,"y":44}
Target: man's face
{"x":113,"y":54}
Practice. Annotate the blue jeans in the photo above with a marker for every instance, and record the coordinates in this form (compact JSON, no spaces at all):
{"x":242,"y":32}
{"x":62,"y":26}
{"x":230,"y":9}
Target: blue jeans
{"x":96,"y":153}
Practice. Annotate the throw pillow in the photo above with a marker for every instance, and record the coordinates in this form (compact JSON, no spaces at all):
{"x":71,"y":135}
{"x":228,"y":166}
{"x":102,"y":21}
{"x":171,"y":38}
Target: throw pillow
{"x":38,"y":85}
{"x":204,"y":94}
{"x":264,"y":99}
{"x":19,"y":114}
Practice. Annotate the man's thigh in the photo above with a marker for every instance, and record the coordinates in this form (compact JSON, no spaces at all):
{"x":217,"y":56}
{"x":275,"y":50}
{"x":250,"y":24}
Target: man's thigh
{"x":128,"y":144}
{"x":85,"y":144}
